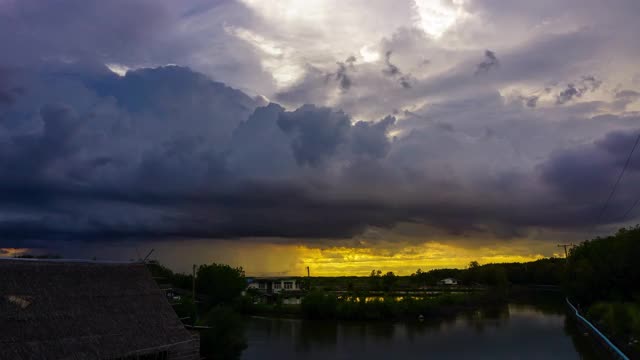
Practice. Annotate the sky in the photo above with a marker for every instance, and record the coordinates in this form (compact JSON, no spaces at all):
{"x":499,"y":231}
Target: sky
{"x":340,"y":135}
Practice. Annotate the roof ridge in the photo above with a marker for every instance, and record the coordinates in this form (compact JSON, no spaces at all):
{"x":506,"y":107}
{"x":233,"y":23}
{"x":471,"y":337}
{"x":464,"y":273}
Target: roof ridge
{"x":89,"y":261}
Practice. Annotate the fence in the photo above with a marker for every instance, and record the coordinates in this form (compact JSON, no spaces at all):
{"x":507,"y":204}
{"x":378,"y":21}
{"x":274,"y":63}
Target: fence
{"x":607,"y":342}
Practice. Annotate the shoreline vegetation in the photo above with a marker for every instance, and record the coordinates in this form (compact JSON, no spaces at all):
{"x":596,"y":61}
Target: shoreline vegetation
{"x":599,"y":275}
{"x":318,"y":304}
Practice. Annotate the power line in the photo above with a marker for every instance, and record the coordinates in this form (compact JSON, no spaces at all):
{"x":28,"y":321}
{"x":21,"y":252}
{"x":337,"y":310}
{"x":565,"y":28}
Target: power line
{"x":615,"y":186}
{"x":624,"y":217}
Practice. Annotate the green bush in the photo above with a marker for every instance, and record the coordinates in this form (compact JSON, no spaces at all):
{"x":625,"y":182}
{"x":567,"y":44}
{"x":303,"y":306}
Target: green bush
{"x":319,"y":305}
{"x":225,"y":338}
{"x":620,"y":320}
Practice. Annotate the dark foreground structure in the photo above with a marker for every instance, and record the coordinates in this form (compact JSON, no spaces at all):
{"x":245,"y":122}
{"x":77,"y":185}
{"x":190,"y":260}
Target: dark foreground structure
{"x":57,"y":309}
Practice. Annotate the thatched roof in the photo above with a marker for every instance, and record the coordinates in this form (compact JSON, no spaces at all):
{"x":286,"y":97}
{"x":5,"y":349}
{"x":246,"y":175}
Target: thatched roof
{"x":79,"y":310}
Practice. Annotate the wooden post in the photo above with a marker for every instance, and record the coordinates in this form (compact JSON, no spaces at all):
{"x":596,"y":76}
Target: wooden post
{"x":193,"y":284}
{"x":565,"y":246}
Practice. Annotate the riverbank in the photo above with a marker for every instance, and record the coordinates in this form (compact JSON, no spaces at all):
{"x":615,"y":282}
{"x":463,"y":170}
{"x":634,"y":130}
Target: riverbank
{"x":616,"y":326}
{"x":323,"y":305}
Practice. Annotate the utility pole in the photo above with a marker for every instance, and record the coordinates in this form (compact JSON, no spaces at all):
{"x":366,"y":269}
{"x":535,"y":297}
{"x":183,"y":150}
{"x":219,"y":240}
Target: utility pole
{"x":565,"y":246}
{"x":193,"y":284}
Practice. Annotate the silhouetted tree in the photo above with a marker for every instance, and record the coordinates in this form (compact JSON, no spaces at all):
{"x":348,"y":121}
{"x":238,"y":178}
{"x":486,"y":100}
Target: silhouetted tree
{"x":220,"y":283}
{"x":389,"y":280}
{"x":375,"y":280}
{"x":605,"y":268}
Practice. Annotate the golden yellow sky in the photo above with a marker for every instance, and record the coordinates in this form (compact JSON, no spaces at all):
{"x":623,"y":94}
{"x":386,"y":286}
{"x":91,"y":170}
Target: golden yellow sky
{"x":11,"y":252}
{"x":258,"y":258}
{"x":263,"y":258}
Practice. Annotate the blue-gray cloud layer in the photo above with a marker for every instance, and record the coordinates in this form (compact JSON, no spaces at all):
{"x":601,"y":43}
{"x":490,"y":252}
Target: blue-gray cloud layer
{"x":514,"y":120}
{"x":167,"y":152}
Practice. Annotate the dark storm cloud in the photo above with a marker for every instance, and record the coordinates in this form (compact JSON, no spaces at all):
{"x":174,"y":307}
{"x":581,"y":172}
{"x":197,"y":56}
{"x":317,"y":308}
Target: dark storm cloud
{"x":248,"y":211}
{"x":168,"y":153}
{"x":490,"y":62}
{"x":316,"y":133}
{"x":87,"y":175}
{"x":585,"y":175}
{"x":371,"y":139}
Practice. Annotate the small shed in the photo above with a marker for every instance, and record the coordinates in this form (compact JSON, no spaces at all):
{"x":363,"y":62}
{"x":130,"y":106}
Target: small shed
{"x":64,"y":309}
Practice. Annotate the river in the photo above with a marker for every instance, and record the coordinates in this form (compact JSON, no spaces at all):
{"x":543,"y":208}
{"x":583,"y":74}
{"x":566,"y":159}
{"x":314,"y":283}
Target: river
{"x":514,"y":331}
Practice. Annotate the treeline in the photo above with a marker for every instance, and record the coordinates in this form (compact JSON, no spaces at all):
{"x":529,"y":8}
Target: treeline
{"x":606,"y":268}
{"x":603,"y":278}
{"x":548,"y":271}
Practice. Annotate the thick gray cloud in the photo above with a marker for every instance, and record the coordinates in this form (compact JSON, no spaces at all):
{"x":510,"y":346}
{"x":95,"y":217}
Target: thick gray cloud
{"x":316,"y":133}
{"x":168,"y":153}
{"x":388,"y":118}
{"x":583,"y":175}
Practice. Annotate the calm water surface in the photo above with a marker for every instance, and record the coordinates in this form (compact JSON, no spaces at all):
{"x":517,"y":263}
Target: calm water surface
{"x":516,"y":331}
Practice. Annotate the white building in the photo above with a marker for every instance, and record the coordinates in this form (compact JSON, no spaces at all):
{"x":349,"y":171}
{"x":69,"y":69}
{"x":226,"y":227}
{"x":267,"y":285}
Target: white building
{"x":274,"y":285}
{"x":448,"y":281}
{"x":289,"y":289}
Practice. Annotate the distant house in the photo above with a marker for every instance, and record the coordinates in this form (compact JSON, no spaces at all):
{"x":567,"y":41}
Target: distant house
{"x":289,"y":289}
{"x":274,"y":285}
{"x":448,"y":281}
{"x":61,"y":309}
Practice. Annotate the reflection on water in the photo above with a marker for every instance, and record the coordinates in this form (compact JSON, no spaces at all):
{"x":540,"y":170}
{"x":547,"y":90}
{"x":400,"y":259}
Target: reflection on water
{"x":516,"y":331}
